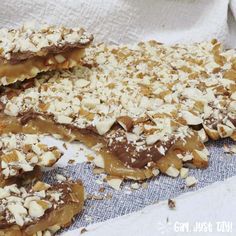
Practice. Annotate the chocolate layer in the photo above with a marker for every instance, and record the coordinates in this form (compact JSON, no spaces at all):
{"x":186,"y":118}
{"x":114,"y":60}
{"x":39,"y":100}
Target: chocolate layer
{"x":18,"y":57}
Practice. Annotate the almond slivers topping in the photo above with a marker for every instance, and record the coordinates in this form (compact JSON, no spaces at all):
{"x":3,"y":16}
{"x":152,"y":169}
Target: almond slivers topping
{"x":22,"y":152}
{"x":36,"y":39}
{"x":145,"y":95}
{"x":21,"y":206}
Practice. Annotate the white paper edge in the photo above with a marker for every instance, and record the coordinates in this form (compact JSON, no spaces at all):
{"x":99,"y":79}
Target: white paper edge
{"x":209,"y":208}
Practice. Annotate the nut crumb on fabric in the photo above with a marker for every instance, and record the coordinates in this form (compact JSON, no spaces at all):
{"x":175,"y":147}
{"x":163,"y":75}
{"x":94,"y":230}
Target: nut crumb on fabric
{"x":171,"y":204}
{"x":83,"y":230}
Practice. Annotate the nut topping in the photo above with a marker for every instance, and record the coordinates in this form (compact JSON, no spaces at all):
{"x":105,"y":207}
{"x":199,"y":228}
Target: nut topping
{"x":157,"y":98}
{"x":25,"y":206}
{"x":191,"y":119}
{"x":224,"y":131}
{"x":190,"y":181}
{"x":59,"y":58}
{"x":104,"y":126}
{"x":22,"y":153}
{"x":172,"y":171}
{"x":126,"y":122}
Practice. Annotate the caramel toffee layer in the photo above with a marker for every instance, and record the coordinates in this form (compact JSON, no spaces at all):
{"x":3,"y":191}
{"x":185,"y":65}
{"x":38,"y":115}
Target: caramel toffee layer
{"x":10,"y":73}
{"x":117,"y":158}
{"x":29,"y":210}
{"x":26,"y":52}
{"x":132,"y":151}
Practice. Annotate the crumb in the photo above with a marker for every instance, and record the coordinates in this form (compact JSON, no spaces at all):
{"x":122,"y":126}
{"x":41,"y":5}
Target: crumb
{"x":64,"y":145}
{"x":60,"y":178}
{"x":226,"y":148}
{"x":184,"y":173}
{"x":229,"y":149}
{"x":145,"y":185}
{"x":89,"y":197}
{"x":95,"y":197}
{"x":101,"y":190}
{"x":113,"y":182}
{"x":171,"y":204}
{"x":83,"y":230}
{"x":109,"y":196}
{"x":98,"y":170}
{"x":88,"y":218}
{"x":135,"y":186}
{"x":98,"y":181}
{"x":191,"y":181}
{"x":71,"y":161}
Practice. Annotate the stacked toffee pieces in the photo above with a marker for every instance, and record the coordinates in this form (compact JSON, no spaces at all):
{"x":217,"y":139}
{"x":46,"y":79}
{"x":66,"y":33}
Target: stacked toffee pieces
{"x":144,"y":109}
{"x":27,"y":205}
